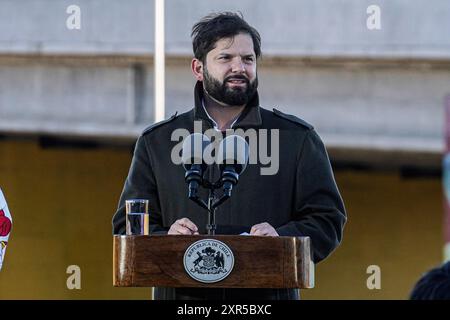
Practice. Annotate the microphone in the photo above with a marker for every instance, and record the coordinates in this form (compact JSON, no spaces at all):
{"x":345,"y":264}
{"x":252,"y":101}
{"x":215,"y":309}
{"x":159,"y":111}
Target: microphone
{"x":232,"y":159}
{"x":192,"y":160}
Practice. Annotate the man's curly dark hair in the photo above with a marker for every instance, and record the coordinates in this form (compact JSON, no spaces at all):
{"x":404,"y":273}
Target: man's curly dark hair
{"x":216,"y":26}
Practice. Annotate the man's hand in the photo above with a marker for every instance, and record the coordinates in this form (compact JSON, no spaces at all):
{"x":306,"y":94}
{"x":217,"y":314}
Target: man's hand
{"x":263,"y":229}
{"x":183,"y":226}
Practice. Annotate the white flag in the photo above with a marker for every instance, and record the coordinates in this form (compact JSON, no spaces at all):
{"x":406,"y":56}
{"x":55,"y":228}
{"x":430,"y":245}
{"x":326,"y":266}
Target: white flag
{"x":5,"y":227}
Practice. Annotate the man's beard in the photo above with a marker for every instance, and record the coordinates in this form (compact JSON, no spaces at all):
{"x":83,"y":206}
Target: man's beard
{"x":233,"y":96}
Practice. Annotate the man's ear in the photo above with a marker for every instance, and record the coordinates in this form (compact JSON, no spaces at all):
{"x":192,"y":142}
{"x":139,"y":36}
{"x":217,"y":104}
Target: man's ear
{"x":197,"y":69}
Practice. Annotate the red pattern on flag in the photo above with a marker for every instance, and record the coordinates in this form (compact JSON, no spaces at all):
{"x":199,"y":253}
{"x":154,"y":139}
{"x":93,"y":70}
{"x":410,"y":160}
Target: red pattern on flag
{"x":5,"y":224}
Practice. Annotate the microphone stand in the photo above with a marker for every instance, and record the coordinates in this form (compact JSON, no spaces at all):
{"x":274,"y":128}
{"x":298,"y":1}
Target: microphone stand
{"x":229,"y":178}
{"x":211,"y":226}
{"x":212,"y":204}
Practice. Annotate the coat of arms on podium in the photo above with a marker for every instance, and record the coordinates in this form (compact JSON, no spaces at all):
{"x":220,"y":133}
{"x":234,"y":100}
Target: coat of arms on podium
{"x":208,"y":261}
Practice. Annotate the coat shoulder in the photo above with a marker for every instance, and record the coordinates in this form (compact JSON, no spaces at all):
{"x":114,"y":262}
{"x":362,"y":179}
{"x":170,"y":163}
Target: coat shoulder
{"x":292,"y":118}
{"x":159,"y":124}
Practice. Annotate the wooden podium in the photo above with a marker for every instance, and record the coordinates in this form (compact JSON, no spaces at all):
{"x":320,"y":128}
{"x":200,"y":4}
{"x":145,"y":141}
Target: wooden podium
{"x":259,"y":262}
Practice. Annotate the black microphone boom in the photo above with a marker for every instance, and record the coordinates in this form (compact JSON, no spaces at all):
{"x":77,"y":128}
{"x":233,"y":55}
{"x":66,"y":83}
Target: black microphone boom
{"x":232,"y":159}
{"x":192,"y":160}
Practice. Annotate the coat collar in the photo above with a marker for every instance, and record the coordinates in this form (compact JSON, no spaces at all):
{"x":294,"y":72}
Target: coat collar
{"x":250,"y":117}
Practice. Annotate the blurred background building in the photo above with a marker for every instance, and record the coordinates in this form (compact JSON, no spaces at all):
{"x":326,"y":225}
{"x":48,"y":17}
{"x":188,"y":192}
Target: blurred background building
{"x":72,"y":103}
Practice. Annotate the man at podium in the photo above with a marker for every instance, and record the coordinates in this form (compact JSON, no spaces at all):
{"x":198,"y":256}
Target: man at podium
{"x":295,"y":196}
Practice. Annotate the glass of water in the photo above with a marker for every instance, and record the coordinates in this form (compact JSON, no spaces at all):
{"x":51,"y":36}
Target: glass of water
{"x":137,"y":217}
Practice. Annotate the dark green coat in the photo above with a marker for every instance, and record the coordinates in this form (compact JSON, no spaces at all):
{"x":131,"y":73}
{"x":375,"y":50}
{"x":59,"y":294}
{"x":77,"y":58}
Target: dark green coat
{"x":302,"y":199}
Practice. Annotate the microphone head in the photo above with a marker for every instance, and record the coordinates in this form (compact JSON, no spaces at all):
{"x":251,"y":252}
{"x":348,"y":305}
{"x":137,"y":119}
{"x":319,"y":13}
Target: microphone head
{"x":233,"y":151}
{"x":192,"y":152}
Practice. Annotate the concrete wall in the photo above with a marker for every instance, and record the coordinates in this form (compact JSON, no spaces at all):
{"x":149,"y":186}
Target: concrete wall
{"x":378,"y":106}
{"x":321,"y":63}
{"x":86,"y":98}
{"x":409,"y":28}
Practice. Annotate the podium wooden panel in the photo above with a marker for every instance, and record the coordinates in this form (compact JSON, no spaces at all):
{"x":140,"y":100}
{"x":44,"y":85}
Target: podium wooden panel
{"x":260,"y":262}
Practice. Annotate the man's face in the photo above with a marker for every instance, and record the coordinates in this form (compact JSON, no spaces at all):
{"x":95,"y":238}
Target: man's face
{"x":229,"y":74}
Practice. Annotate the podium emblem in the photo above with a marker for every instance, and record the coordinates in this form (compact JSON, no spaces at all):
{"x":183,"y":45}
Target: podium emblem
{"x":208,"y":261}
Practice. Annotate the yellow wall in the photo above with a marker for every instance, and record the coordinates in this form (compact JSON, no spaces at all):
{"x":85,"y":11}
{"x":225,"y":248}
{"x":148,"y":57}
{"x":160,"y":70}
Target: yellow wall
{"x":393,"y":223}
{"x":62,"y":201}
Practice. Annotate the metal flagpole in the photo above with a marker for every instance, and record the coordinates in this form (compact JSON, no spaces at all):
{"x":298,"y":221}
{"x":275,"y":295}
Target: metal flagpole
{"x":159,"y":68}
{"x":159,"y":62}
